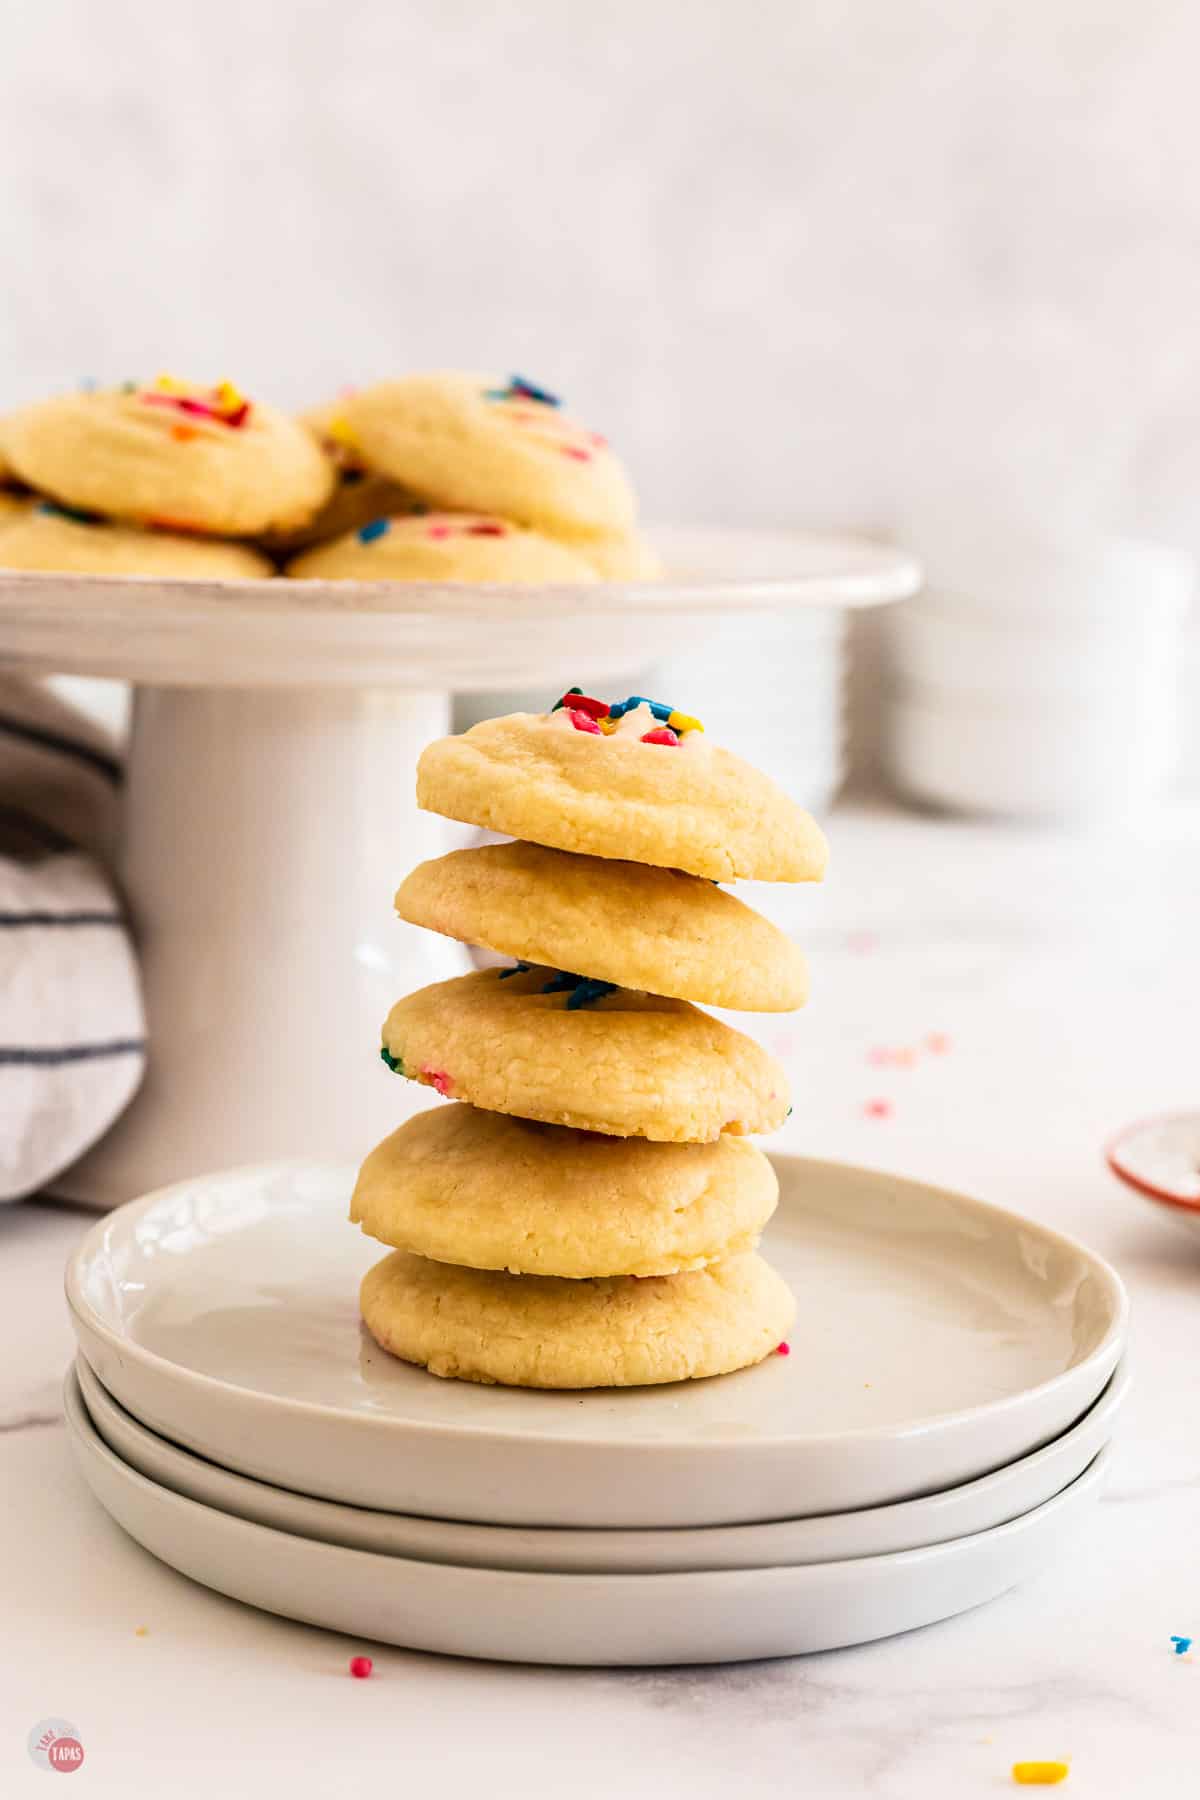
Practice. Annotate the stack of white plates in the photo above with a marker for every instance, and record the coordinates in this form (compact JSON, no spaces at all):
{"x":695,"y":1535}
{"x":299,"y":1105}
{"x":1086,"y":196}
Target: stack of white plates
{"x":940,"y":1425}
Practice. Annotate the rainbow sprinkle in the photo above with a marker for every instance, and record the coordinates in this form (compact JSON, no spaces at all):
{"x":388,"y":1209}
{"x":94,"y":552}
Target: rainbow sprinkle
{"x":376,"y":529}
{"x":520,"y":389}
{"x":580,"y":989}
{"x":1040,"y":1774}
{"x":223,"y":404}
{"x":599,"y":718}
{"x":393,"y":1062}
{"x":1182,"y":1645}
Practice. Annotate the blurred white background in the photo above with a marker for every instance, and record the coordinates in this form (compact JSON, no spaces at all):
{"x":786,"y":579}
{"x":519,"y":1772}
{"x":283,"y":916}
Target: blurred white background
{"x":837,"y":263}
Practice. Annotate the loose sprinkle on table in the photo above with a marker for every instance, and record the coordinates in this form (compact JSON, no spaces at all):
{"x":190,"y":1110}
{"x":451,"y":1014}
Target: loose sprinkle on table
{"x":1182,"y":1645}
{"x":878,"y":1109}
{"x":1040,"y":1774}
{"x":784,"y":1349}
{"x":360,"y":1667}
{"x":937,"y":1043}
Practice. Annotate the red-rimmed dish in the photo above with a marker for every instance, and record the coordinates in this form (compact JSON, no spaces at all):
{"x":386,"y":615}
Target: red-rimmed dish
{"x":1160,"y":1159}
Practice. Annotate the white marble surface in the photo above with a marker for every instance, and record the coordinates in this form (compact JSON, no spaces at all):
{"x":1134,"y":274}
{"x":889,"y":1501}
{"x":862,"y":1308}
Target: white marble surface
{"x":1065,"y":976}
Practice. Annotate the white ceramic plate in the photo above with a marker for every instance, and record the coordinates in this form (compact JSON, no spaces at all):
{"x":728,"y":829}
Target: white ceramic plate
{"x":512,"y":1615}
{"x":938,"y":1339}
{"x":978,"y":1506}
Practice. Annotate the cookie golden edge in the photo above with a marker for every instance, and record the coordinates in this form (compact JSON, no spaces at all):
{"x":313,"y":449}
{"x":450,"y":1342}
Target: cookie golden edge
{"x":489,"y":1191}
{"x":656,"y":929}
{"x":532,"y":1331}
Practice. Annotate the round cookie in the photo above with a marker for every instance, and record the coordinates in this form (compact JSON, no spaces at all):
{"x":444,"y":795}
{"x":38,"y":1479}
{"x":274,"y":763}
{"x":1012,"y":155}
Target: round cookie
{"x":489,"y":1192}
{"x":627,"y":558}
{"x":474,"y":443}
{"x":530,"y":1042}
{"x":359,"y":495}
{"x":535,"y":1331}
{"x":48,"y":540}
{"x":173,"y":455}
{"x":558,"y":779}
{"x":442,"y":547}
{"x":642,"y":927}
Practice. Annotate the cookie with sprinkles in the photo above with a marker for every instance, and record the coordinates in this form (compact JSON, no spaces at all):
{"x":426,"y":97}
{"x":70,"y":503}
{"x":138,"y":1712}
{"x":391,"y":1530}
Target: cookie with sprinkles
{"x":46,"y":538}
{"x":491,"y":1192}
{"x":171,"y":454}
{"x":504,"y":446}
{"x":544,"y":1044}
{"x":537,"y":1331}
{"x":642,"y":927}
{"x":439,"y":546}
{"x":635,"y":779}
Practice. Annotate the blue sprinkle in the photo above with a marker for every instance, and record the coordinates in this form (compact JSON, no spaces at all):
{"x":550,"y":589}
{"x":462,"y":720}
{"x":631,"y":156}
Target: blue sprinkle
{"x":659,"y":708}
{"x":376,"y":529}
{"x":518,"y":385}
{"x":53,"y":510}
{"x":588,"y":992}
{"x":518,"y":968}
{"x":1181,"y":1644}
{"x":561,"y":982}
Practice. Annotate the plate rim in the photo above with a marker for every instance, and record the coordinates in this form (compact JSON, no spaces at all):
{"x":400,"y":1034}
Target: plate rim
{"x":1096,"y":1471}
{"x":1108,"y":1349}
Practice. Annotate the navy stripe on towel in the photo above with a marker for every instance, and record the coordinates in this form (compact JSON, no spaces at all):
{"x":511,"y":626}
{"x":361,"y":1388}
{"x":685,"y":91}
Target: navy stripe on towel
{"x":51,"y":1059}
{"x":52,"y":740}
{"x":9,"y":921}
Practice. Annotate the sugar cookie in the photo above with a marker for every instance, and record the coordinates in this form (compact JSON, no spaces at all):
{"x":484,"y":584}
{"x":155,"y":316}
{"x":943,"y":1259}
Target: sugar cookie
{"x":491,"y":1192}
{"x":532,"y":1043}
{"x":47,"y":539}
{"x":173,"y":455}
{"x":678,"y":802}
{"x":475,"y":443}
{"x":539,"y":1332}
{"x":642,"y":927}
{"x":464,"y":547}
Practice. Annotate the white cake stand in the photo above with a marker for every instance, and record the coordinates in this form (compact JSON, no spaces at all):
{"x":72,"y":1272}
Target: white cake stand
{"x":270,"y":814}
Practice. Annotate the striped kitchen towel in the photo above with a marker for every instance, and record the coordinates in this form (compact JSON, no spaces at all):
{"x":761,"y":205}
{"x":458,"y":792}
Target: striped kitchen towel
{"x":72,"y":1045}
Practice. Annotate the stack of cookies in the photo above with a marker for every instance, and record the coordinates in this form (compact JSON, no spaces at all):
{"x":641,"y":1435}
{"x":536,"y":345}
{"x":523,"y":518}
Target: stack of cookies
{"x":458,"y":477}
{"x":587,"y":1213}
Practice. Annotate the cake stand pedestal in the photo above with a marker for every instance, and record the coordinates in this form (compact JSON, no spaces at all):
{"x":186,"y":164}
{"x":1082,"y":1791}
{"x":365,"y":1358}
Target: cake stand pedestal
{"x":269,"y":809}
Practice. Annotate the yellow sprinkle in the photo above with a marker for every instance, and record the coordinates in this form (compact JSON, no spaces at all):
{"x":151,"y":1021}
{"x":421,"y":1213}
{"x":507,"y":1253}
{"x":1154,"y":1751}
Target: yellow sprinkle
{"x":607,"y":725}
{"x":229,"y":396}
{"x":167,"y":384}
{"x":684,"y":722}
{"x":341,"y":433}
{"x":142,"y":1631}
{"x":1040,"y":1774}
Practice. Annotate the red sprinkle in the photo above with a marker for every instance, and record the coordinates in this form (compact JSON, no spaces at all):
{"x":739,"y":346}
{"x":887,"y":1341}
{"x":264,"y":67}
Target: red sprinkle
{"x":439,"y":1079}
{"x":575,"y":451}
{"x":937,"y":1043}
{"x":486,"y":528}
{"x":584,"y":722}
{"x":360,"y":1667}
{"x":662,"y":735}
{"x":596,"y":709}
{"x":784,"y":1349}
{"x":878,"y":1109}
{"x":438,"y":531}
{"x":601,"y":443}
